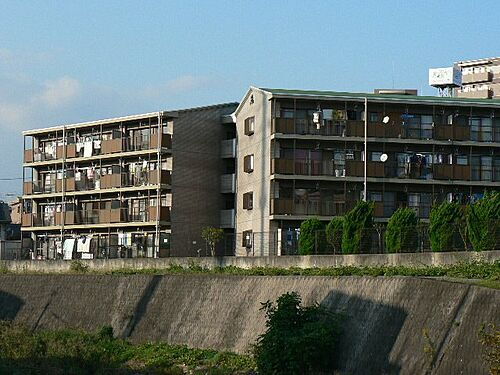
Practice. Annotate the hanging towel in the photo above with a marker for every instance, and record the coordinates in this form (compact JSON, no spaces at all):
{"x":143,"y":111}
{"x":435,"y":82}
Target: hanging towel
{"x":80,"y":246}
{"x":87,"y":149}
{"x":68,"y":247}
{"x":86,"y":244}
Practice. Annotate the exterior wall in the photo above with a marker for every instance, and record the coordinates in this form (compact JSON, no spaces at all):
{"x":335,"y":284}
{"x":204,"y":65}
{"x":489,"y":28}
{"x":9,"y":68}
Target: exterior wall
{"x":197,"y":167}
{"x":258,"y":144}
{"x":483,"y":82}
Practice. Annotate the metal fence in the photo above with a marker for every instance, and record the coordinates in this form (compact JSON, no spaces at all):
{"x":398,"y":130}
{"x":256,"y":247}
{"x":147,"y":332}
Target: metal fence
{"x":374,"y":240}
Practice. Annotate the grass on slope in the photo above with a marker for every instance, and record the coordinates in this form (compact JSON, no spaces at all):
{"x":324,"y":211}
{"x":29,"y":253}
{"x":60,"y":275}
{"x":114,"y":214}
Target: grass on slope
{"x":23,"y":351}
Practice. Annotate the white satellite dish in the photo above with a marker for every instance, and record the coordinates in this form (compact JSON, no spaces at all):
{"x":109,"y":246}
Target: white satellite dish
{"x":383,"y":158}
{"x":385,"y":120}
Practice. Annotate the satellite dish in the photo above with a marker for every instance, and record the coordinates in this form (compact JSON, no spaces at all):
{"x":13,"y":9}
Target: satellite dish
{"x":385,"y":120}
{"x":383,"y":158}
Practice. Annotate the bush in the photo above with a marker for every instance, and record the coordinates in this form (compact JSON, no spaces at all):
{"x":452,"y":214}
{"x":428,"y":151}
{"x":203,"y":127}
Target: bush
{"x":212,"y":236}
{"x":401,"y":232}
{"x":334,"y":233}
{"x":489,"y":337}
{"x":355,"y":235}
{"x":483,"y":222}
{"x":312,"y":237}
{"x":298,"y":340}
{"x":444,"y":224}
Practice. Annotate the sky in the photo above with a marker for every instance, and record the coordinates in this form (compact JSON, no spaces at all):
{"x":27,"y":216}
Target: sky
{"x":71,"y":61}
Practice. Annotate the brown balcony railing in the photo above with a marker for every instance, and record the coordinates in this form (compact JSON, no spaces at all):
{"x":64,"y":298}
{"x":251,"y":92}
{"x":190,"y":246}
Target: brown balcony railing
{"x":281,"y":166}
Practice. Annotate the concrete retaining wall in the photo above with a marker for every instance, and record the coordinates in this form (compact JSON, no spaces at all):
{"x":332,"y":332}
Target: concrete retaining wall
{"x":409,"y":259}
{"x":383,"y":318}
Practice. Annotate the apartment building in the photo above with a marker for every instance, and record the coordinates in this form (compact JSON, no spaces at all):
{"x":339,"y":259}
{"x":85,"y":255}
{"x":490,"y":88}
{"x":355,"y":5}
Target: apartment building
{"x":134,"y":186}
{"x":303,"y":154}
{"x":480,"y":78}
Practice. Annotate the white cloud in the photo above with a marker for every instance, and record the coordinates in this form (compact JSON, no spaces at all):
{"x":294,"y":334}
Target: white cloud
{"x":59,"y":92}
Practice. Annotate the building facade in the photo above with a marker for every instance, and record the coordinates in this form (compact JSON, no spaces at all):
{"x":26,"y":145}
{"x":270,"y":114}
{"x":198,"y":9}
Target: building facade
{"x":301,"y":154}
{"x":135,"y":186}
{"x":480,"y":79}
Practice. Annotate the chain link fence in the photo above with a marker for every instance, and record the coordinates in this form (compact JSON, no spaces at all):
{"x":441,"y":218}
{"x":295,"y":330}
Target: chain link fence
{"x":374,"y":240}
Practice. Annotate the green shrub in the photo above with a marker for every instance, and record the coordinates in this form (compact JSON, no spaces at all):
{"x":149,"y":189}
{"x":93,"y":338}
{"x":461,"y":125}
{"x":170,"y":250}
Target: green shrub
{"x":445,"y":220}
{"x":334,"y":233}
{"x":297,"y":340}
{"x":312,"y":237}
{"x":212,"y":236}
{"x":356,"y":234}
{"x":483,"y":222}
{"x":78,"y":266}
{"x":401,"y":233}
{"x":489,"y":337}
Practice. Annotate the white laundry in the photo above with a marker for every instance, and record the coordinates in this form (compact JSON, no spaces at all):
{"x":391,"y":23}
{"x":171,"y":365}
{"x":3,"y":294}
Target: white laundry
{"x":68,"y":247}
{"x":87,"y":149}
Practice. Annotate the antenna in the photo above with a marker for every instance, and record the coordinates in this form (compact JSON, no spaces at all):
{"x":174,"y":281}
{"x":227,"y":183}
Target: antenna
{"x":392,"y":73}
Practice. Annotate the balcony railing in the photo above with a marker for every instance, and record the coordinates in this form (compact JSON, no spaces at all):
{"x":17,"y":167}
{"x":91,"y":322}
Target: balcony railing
{"x":228,"y":183}
{"x":96,"y":216}
{"x":227,"y":218}
{"x":107,"y":181}
{"x":91,"y":148}
{"x":228,"y":148}
{"x":476,"y":77}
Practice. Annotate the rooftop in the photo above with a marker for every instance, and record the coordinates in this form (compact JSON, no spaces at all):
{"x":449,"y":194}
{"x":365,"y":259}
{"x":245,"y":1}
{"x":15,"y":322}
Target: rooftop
{"x":383,"y":97}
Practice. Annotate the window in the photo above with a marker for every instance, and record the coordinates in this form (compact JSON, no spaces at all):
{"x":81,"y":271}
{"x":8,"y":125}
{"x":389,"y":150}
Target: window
{"x":462,"y":160}
{"x":376,"y":156}
{"x":249,"y":125}
{"x":247,"y":238}
{"x":373,"y":117}
{"x":248,"y":200}
{"x":248,"y":163}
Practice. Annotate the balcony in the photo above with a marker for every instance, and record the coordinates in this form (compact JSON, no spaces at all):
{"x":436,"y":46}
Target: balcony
{"x":287,"y":206}
{"x":451,"y":172}
{"x":355,"y":168}
{"x":228,"y":183}
{"x":282,"y":166}
{"x":227,"y":218}
{"x":96,"y":216}
{"x":475,"y":94}
{"x":476,"y":77}
{"x":228,"y":148}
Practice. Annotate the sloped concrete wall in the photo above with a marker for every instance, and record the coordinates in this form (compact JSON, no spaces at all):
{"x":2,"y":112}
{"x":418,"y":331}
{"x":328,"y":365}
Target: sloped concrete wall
{"x":382,"y":318}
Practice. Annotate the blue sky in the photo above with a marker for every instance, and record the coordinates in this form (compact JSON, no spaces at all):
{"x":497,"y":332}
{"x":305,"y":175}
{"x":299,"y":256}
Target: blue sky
{"x":72,"y":61}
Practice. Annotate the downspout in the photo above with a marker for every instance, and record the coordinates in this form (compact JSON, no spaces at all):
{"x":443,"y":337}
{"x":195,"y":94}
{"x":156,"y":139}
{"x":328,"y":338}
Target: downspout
{"x":366,"y":151}
{"x":158,"y":181}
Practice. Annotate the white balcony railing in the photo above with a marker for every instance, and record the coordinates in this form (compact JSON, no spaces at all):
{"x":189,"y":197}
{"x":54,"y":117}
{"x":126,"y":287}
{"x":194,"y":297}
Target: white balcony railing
{"x":228,"y":148}
{"x":228,"y":183}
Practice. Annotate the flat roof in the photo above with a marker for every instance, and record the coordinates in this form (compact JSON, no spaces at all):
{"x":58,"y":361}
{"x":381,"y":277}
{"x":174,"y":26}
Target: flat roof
{"x":486,"y":60}
{"x":355,"y":96}
{"x":170,"y":113}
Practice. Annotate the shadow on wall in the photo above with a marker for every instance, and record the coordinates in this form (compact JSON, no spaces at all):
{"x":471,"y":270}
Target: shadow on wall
{"x":369,"y":331}
{"x":9,"y":306}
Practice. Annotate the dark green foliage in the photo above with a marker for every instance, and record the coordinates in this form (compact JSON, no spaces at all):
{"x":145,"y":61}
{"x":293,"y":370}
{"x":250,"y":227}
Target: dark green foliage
{"x":312,"y":237}
{"x":445,"y":221}
{"x":483,"y":222}
{"x":298,"y":340}
{"x":401,"y":233}
{"x":23,"y":351}
{"x":356,"y":234}
{"x":334,"y":233}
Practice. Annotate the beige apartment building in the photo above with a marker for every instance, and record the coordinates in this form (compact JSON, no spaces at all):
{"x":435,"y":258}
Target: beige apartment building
{"x":134,"y":186}
{"x":302,"y":154}
{"x":480,"y":79}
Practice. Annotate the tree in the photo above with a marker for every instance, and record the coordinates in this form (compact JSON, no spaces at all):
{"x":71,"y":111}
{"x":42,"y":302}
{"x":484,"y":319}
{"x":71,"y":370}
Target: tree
{"x":483,"y":222}
{"x":334,"y":233}
{"x":312,"y":237}
{"x":297,"y":340}
{"x":401,"y":233}
{"x":444,"y":224}
{"x":212,"y":236}
{"x":356,"y":234}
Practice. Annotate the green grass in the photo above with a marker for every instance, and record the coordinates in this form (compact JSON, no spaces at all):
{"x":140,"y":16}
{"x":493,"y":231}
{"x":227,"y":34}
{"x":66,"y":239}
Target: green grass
{"x":465,"y":270}
{"x":23,"y":351}
{"x":478,"y":270}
